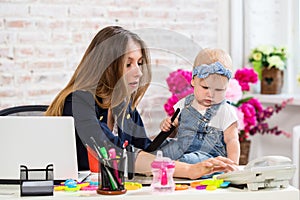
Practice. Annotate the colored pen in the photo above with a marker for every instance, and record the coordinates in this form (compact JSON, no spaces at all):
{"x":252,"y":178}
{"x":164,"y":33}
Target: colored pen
{"x":105,"y":156}
{"x":130,"y":158}
{"x":95,"y":144}
{"x":125,"y":159}
{"x":112,"y":155}
{"x":97,"y":151}
{"x":96,"y":147}
{"x":103,"y":152}
{"x":105,"y":183}
{"x":113,"y":183}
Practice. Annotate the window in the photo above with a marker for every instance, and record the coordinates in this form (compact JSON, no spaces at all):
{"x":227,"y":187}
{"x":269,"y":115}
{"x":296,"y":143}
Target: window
{"x":275,"y":22}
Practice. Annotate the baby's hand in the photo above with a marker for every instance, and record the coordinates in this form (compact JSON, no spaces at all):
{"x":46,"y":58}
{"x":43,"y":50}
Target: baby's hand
{"x":165,"y":125}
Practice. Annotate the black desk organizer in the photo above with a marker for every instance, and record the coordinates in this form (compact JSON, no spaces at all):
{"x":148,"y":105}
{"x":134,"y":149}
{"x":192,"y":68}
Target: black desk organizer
{"x":111,"y":179}
{"x":113,"y":170}
{"x":32,"y":183}
{"x":109,"y":184}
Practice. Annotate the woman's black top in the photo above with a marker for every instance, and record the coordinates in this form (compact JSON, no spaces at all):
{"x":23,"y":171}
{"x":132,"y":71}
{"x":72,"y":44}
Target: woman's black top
{"x":91,"y":121}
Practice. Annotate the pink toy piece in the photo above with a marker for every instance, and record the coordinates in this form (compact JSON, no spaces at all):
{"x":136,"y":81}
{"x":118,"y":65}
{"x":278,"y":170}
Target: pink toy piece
{"x":200,"y":187}
{"x":89,"y":188}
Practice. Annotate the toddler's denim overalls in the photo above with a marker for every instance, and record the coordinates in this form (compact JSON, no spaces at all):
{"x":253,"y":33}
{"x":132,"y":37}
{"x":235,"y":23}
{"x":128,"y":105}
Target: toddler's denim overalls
{"x":196,"y":140}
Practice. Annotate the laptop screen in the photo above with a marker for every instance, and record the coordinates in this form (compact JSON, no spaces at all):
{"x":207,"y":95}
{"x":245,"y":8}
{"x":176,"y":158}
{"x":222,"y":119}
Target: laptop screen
{"x":37,"y":141}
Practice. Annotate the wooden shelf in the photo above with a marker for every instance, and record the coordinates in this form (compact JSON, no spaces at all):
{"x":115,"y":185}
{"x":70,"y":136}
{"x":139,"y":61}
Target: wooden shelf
{"x":277,"y":98}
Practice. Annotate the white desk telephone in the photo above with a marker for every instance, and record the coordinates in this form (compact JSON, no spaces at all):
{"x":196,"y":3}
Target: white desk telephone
{"x":263,"y":172}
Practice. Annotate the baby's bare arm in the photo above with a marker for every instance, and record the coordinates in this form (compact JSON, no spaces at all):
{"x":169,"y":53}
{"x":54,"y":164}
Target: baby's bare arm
{"x":231,"y":138}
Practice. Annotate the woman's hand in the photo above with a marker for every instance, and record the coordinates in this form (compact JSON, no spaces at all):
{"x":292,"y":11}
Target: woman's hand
{"x":185,"y":170}
{"x":211,"y":165}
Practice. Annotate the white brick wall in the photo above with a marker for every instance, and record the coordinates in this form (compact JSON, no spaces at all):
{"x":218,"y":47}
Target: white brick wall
{"x":41,"y":43}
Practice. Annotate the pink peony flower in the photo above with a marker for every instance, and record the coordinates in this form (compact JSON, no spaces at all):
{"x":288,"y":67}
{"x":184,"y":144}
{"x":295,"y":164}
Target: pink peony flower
{"x":234,"y":92}
{"x":179,"y":83}
{"x":246,"y":76}
{"x":169,"y":105}
{"x":240,"y":115}
{"x":256,"y":104}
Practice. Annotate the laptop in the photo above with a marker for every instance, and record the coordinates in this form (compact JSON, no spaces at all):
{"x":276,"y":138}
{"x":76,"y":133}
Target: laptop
{"x":37,"y":141}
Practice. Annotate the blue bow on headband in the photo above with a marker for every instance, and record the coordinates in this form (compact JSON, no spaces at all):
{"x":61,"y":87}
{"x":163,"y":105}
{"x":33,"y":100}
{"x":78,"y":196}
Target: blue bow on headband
{"x":204,"y":70}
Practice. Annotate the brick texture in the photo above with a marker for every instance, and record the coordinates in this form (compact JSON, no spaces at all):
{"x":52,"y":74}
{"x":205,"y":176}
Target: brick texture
{"x":41,"y":43}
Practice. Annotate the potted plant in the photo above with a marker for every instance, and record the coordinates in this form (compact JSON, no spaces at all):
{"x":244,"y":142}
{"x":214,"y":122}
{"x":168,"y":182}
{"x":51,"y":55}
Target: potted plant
{"x":269,"y":62}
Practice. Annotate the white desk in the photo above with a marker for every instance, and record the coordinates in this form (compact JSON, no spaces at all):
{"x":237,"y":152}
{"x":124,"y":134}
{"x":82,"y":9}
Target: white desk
{"x":9,"y":192}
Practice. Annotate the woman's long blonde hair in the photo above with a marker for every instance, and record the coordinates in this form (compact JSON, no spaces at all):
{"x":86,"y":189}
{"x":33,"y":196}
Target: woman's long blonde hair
{"x":102,"y":67}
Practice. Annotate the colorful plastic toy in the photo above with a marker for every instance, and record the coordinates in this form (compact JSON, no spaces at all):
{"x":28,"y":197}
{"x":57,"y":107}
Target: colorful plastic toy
{"x":132,"y":185}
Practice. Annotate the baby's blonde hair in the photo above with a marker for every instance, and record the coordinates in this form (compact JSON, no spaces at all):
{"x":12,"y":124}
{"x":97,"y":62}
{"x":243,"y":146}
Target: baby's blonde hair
{"x":208,"y":56}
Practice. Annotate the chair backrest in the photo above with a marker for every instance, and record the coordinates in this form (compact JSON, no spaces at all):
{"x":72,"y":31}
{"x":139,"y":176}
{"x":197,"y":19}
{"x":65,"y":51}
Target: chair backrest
{"x":24,"y":110}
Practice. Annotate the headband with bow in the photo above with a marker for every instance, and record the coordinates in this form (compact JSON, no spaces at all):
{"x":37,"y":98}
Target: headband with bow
{"x":204,"y":70}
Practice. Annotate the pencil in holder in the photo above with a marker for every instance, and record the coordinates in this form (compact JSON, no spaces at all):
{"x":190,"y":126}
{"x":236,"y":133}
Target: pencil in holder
{"x":111,"y":177}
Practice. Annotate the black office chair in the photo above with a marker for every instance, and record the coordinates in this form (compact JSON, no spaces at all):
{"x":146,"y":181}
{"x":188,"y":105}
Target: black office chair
{"x":24,"y":110}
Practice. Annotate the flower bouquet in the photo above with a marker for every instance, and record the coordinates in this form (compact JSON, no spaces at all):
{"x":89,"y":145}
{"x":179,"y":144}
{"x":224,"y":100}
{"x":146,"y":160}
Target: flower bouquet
{"x":268,"y":56}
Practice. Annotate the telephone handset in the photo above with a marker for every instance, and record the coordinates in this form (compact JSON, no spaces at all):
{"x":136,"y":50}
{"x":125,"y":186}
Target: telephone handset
{"x":266,"y":161}
{"x":263,"y":172}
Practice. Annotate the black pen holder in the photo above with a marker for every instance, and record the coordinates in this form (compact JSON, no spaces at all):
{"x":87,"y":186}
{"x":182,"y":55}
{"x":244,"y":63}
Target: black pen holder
{"x":111,"y":176}
{"x":36,"y":182}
